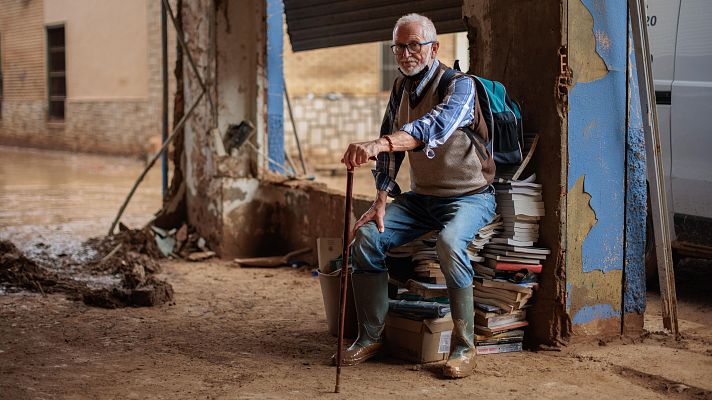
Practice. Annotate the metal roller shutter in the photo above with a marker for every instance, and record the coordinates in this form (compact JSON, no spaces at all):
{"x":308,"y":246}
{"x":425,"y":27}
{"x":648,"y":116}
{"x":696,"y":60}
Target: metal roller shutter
{"x":315,"y":24}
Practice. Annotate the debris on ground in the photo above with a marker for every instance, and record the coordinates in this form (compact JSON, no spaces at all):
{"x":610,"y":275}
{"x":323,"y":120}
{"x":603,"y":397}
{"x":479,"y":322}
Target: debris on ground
{"x":275,"y":261}
{"x":201,"y":255}
{"x":183,"y":242}
{"x":118,"y":273}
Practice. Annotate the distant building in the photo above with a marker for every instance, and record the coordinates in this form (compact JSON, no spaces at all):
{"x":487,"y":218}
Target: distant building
{"x":81,"y":75}
{"x":85,"y":75}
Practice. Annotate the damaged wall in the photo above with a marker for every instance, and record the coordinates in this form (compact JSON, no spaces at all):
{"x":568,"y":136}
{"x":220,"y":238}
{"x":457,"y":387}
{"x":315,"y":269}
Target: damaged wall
{"x":636,"y":207}
{"x":568,"y":68}
{"x":596,"y":176}
{"x":238,"y":207}
{"x":228,"y":45}
{"x":508,"y":45}
{"x":203,"y":192}
{"x":276,"y":216}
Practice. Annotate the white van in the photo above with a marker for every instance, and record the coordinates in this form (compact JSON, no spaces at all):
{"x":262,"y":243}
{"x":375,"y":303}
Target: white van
{"x":680,"y":34}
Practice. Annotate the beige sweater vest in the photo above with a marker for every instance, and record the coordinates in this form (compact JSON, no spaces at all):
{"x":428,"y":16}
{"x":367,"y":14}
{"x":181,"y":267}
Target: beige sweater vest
{"x":458,"y":168}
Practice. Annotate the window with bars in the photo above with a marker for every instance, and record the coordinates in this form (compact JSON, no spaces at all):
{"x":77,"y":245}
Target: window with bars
{"x":56,"y":75}
{"x":389,"y":67}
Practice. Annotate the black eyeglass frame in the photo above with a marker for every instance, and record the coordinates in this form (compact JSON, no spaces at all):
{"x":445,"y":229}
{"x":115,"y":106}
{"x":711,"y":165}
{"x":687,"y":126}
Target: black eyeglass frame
{"x":402,"y":47}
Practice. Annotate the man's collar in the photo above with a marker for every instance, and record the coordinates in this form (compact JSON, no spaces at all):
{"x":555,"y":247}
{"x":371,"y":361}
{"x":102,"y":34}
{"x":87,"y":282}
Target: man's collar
{"x":423,"y":77}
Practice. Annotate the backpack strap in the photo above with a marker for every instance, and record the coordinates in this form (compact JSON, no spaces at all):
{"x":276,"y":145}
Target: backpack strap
{"x":444,"y":82}
{"x":480,"y":95}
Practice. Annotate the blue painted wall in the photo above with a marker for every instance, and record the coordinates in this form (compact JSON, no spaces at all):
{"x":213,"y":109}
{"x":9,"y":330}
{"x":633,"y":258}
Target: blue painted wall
{"x":597,"y":140}
{"x":597,"y":151}
{"x":606,"y":147}
{"x":636,"y":200}
{"x":275,"y":84}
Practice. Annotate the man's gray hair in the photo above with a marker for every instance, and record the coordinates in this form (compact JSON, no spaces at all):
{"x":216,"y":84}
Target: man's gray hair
{"x":429,"y":33}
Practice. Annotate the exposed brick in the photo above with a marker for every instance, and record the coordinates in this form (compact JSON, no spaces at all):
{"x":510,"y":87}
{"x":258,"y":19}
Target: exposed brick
{"x":105,"y":126}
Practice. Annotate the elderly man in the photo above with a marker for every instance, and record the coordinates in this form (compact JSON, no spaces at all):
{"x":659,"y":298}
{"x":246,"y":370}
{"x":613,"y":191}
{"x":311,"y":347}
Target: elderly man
{"x":451,"y":190}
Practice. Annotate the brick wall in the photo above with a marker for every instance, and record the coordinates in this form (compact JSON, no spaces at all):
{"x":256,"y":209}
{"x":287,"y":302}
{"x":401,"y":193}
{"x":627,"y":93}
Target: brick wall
{"x":23,"y":50}
{"x":326,"y":124}
{"x":123,"y":126}
{"x":351,"y":69}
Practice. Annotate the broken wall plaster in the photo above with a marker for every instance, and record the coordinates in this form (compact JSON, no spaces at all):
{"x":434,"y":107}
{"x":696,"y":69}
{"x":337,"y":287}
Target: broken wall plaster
{"x":283,"y":216}
{"x":594,"y":294}
{"x":584,"y":61}
{"x":236,"y":193}
{"x":203,"y":192}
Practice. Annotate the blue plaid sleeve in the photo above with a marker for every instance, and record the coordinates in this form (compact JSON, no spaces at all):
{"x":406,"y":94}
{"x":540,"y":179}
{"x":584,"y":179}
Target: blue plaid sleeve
{"x":388,"y":164}
{"x":455,"y":111}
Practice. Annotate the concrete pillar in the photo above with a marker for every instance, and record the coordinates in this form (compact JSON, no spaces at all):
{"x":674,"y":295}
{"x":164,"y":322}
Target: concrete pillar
{"x":569,"y":68}
{"x":509,"y":45}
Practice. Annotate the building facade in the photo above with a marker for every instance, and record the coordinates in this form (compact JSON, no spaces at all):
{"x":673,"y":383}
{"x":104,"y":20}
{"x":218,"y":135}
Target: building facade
{"x":82,"y":76}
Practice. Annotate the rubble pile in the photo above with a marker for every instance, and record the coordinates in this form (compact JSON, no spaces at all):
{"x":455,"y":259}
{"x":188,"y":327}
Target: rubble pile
{"x":119,"y":273}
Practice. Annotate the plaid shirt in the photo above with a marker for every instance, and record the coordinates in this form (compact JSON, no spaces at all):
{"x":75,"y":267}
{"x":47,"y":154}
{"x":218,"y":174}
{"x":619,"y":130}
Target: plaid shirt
{"x":433,"y":128}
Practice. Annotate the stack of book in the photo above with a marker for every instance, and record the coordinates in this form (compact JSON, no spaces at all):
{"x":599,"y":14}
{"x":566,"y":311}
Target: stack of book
{"x":483,"y":237}
{"x":423,"y":291}
{"x":506,"y":280}
{"x":503,"y":342}
{"x":500,"y":313}
{"x":521,"y":206}
{"x":426,"y":263}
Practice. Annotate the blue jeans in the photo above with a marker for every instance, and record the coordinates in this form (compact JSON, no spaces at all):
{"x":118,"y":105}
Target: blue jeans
{"x":412,"y":215}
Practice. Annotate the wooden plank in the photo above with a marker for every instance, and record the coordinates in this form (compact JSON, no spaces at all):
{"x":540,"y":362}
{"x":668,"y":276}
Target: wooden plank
{"x":528,"y":158}
{"x":658,"y":200}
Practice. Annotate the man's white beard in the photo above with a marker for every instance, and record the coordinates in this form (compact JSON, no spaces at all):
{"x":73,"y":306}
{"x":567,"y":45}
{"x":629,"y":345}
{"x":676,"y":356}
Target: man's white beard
{"x":418,"y":68}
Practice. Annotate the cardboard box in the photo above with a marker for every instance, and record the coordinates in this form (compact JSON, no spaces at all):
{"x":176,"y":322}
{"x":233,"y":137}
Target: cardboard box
{"x":418,"y":341}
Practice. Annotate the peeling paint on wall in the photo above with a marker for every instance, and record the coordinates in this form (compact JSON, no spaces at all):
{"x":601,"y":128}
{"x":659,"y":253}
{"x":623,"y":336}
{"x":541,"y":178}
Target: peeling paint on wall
{"x":596,"y":139}
{"x":237,"y":193}
{"x":592,"y":294}
{"x":585,"y":62}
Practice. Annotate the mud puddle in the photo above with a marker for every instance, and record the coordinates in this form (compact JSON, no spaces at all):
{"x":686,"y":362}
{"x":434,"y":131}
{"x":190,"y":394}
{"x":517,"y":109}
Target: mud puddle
{"x":53,"y":203}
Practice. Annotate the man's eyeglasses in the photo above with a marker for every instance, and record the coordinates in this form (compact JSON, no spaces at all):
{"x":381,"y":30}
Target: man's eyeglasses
{"x":414,"y":47}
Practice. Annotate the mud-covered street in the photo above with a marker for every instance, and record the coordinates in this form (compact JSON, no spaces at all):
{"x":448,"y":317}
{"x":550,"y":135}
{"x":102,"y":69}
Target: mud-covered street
{"x":232,"y":332}
{"x":239,"y":333}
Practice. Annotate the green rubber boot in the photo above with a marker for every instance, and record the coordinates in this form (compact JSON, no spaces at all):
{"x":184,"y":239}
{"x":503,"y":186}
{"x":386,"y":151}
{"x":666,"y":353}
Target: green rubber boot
{"x":371,"y":298}
{"x":461,"y":361}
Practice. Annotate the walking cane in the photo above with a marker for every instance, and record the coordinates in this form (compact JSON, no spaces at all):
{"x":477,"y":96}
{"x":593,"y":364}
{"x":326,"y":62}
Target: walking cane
{"x":344,"y":272}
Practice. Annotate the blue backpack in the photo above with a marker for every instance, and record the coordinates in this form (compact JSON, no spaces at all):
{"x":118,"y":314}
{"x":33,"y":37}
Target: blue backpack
{"x":501,"y":114}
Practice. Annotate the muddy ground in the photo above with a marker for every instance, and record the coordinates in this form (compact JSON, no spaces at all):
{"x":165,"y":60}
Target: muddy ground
{"x":261,"y":333}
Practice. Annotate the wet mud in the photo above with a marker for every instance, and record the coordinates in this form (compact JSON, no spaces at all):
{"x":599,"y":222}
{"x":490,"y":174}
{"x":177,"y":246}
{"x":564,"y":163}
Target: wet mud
{"x":110,"y":272}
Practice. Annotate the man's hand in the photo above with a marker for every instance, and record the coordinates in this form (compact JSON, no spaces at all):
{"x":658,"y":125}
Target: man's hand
{"x":359,"y":153}
{"x":375,"y":213}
